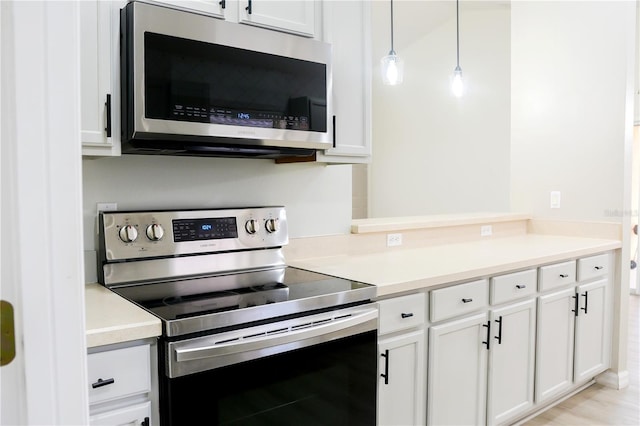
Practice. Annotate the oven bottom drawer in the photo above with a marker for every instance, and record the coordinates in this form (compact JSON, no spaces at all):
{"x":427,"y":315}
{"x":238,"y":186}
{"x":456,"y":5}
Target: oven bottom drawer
{"x":333,"y":383}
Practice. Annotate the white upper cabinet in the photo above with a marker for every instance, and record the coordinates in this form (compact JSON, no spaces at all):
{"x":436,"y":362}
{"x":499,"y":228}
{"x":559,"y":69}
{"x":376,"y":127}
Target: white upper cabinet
{"x":297,"y":17}
{"x":347,"y":26}
{"x":99,"y":78}
{"x":291,"y":16}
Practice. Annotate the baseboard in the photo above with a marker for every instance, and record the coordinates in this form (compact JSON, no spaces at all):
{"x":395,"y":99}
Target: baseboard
{"x":546,"y":406}
{"x":611,"y":379}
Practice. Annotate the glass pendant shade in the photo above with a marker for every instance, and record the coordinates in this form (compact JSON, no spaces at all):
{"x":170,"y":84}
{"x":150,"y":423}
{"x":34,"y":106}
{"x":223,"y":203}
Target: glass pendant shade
{"x":457,"y":85}
{"x":392,"y":69}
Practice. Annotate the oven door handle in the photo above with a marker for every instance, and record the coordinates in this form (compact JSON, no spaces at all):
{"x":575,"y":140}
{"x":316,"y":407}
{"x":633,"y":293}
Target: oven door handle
{"x":302,"y":335}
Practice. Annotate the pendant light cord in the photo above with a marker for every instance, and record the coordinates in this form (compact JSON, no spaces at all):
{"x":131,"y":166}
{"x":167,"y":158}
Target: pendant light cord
{"x":392,"y":50}
{"x":457,"y":36}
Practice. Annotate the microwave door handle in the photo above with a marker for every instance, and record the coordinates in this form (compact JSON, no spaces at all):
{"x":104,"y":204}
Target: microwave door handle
{"x":354,"y":324}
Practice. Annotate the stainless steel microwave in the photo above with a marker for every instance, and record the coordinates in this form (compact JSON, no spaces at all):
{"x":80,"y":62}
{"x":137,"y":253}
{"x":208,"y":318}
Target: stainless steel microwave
{"x":197,"y":85}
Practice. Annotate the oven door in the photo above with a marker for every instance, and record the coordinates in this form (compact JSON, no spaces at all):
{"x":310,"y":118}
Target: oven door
{"x":314,"y":370}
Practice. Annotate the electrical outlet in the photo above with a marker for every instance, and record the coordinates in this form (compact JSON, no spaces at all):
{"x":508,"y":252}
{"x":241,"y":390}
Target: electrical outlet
{"x":394,"y":240}
{"x":486,"y":230}
{"x":106,"y":207}
{"x":555,"y":199}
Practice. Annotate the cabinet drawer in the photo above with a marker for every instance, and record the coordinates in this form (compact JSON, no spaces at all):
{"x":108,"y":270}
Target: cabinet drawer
{"x":459,"y":299}
{"x":505,"y":288}
{"x":557,"y":275}
{"x":401,"y":313}
{"x":593,"y":267}
{"x":118,"y":373}
{"x":129,"y":415}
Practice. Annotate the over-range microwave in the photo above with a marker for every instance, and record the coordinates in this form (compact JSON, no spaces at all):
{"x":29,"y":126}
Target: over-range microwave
{"x":197,"y":85}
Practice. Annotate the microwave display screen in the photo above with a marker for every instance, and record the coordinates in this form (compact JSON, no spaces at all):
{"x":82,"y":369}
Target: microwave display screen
{"x":187,"y":80}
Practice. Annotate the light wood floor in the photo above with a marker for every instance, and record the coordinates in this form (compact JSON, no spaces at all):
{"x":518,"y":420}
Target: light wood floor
{"x":599,"y":405}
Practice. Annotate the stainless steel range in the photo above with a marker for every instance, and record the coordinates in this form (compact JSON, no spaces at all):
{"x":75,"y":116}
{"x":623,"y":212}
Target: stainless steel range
{"x":271,"y":344}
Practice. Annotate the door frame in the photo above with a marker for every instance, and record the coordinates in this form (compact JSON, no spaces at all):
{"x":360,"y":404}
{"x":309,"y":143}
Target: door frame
{"x":41,"y":180}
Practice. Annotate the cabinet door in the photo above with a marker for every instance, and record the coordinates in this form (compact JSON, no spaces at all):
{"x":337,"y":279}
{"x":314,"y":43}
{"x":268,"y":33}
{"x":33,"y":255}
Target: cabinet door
{"x":554,"y":344}
{"x":401,"y":381}
{"x":217,"y":8}
{"x":98,"y":61}
{"x":133,"y":415}
{"x":457,"y":369}
{"x":347,"y":28}
{"x":294,"y":16}
{"x":511,"y":361}
{"x":592,"y":337}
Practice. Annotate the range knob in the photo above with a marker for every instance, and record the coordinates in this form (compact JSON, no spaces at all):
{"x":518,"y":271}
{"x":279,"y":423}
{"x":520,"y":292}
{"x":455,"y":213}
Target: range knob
{"x":128,"y":233}
{"x":271,"y":225}
{"x":155,"y":232}
{"x":251,"y":226}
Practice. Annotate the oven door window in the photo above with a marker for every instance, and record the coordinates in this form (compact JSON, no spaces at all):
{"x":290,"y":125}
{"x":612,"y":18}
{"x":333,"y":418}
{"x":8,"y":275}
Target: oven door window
{"x":332,"y":383}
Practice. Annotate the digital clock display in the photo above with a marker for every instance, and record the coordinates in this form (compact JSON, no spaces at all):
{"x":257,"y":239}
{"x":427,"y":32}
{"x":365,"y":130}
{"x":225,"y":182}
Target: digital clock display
{"x":204,"y":229}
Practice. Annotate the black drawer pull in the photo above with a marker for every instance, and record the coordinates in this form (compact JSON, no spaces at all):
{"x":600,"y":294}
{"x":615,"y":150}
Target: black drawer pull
{"x":499,"y":336}
{"x":249,"y":7}
{"x":564,"y":276}
{"x":145,"y":422}
{"x":409,"y":315}
{"x":575,"y":309}
{"x":223,"y":4}
{"x":521,"y":286}
{"x":599,"y":267}
{"x":467,"y":300}
{"x":101,"y":383}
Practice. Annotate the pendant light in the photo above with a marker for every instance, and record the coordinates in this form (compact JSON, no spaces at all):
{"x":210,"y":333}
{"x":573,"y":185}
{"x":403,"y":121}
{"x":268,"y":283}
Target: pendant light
{"x":457,"y":85}
{"x":391,"y":66}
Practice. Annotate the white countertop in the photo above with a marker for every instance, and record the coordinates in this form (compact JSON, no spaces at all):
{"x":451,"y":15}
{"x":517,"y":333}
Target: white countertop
{"x":397,"y":270}
{"x":112,"y":319}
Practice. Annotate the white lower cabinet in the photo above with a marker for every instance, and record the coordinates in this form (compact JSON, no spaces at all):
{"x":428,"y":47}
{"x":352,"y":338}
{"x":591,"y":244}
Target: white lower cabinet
{"x":400,"y":383}
{"x":138,"y":415}
{"x":554,"y":347}
{"x":573,"y":337}
{"x":401,"y":360}
{"x":511,"y":361}
{"x":457,"y":372}
{"x":122,"y":384}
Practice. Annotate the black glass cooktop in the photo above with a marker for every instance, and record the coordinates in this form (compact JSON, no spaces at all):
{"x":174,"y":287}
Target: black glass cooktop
{"x":207,"y":303}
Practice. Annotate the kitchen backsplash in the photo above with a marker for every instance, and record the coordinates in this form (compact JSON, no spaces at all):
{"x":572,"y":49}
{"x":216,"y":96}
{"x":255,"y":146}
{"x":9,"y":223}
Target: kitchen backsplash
{"x":317,"y":197}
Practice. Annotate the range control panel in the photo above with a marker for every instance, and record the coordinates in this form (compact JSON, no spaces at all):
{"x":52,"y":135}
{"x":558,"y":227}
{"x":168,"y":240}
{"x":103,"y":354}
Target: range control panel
{"x":131,"y":235}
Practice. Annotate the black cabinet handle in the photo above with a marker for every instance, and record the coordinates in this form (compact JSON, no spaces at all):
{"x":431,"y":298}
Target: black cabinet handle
{"x":499,"y":336}
{"x":145,"y":422}
{"x":249,"y":7}
{"x":564,"y":276}
{"x":488,"y":341}
{"x":386,"y":367}
{"x":467,"y":300}
{"x":521,"y":286}
{"x":334,"y":131}
{"x":223,"y":3}
{"x":575,"y":309}
{"x":599,"y":267}
{"x":107,"y":106}
{"x":586,"y":301}
{"x":408,"y":315}
{"x":101,"y":383}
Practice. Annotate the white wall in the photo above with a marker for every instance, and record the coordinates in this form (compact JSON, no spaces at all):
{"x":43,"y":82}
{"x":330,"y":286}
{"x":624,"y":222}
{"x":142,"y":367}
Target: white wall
{"x":433,"y":153}
{"x":317,"y":197}
{"x":569,"y":98}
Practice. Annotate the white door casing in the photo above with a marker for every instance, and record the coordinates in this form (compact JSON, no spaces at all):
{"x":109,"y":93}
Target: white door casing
{"x":42,"y":267}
